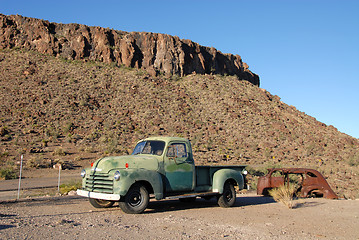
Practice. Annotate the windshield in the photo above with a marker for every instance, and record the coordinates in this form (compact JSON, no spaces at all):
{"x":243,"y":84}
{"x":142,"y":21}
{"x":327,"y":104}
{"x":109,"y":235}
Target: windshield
{"x":149,"y":147}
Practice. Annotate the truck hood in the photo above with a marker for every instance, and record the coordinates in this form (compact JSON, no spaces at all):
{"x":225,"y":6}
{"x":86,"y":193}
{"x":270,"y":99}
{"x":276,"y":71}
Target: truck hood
{"x":104,"y":165}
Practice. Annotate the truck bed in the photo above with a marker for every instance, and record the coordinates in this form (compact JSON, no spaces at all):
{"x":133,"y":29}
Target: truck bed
{"x":204,"y":175}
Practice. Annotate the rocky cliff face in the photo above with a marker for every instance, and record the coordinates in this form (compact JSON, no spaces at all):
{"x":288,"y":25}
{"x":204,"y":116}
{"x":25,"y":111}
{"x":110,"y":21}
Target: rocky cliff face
{"x":153,"y":52}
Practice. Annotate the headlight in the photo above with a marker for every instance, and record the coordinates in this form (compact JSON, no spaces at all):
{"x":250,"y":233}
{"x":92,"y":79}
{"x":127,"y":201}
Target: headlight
{"x":117,"y":175}
{"x":83,"y":173}
{"x":245,"y":172}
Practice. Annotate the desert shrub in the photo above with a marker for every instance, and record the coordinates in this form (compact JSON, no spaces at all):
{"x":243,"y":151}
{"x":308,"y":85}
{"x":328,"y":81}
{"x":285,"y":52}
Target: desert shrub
{"x":70,"y":186}
{"x":252,"y":177}
{"x":87,"y":149}
{"x":52,"y":132}
{"x":93,"y":136}
{"x":176,"y":77}
{"x":256,"y":171}
{"x":59,"y":152}
{"x":112,"y":145}
{"x":38,"y":162}
{"x":78,"y":158}
{"x":253,"y":183}
{"x":68,"y":127}
{"x":8,"y":173}
{"x":3,"y":131}
{"x":44,"y":142}
{"x":267,"y":153}
{"x":353,"y":161}
{"x":284,"y":194}
{"x":4,"y":155}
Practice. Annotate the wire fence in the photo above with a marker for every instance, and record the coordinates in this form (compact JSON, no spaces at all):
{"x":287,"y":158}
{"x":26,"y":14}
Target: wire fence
{"x":16,"y":189}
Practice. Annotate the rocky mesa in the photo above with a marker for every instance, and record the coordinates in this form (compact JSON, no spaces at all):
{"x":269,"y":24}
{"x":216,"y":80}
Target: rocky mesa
{"x":156,"y":53}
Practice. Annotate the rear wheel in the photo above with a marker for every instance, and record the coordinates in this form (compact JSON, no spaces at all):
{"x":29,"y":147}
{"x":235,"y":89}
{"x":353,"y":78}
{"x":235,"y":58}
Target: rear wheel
{"x":98,"y":203}
{"x":228,"y":198}
{"x":136,"y":200}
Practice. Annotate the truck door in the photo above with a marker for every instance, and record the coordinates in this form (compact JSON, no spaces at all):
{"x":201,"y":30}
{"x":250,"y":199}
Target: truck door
{"x":179,"y":168}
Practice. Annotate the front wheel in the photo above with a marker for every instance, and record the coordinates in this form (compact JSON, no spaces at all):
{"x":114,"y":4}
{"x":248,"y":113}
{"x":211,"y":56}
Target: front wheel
{"x":136,"y":200}
{"x":228,"y":198}
{"x":98,"y":203}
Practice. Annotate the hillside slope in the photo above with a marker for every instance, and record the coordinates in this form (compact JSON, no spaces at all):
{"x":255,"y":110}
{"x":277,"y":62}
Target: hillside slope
{"x":53,"y":109}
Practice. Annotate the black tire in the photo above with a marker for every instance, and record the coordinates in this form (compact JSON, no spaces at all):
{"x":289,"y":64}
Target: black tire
{"x":136,"y":200}
{"x":98,"y":203}
{"x":228,"y":198}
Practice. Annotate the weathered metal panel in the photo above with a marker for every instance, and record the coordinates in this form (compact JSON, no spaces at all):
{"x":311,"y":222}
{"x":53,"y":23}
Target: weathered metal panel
{"x":203,"y":176}
{"x":110,"y":197}
{"x":97,"y":182}
{"x":179,"y":169}
{"x":131,"y":176}
{"x":311,"y":181}
{"x":223,"y":175}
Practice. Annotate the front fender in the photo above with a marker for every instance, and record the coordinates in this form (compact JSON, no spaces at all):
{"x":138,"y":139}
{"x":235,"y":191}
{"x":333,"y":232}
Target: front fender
{"x":222,"y":175}
{"x":131,"y":176}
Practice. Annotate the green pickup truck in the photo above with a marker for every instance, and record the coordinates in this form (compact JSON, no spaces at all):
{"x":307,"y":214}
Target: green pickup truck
{"x":159,"y":167}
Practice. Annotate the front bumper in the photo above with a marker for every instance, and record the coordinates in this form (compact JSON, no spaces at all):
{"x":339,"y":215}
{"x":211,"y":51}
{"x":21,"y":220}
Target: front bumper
{"x":102,"y":196}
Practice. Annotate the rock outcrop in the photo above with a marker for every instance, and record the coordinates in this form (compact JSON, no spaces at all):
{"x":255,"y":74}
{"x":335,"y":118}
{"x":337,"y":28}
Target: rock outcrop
{"x":153,"y":52}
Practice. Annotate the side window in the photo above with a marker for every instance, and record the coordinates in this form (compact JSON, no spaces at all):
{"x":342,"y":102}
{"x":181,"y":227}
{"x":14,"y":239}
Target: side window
{"x":277,"y":173}
{"x":310,"y":174}
{"x":178,"y":150}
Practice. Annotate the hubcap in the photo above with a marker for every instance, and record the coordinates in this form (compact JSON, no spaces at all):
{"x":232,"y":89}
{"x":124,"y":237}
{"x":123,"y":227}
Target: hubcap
{"x":135,"y":199}
{"x":228,"y":195}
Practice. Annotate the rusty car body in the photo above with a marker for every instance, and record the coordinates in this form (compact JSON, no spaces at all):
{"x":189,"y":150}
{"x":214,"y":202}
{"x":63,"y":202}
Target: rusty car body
{"x":309,"y":182}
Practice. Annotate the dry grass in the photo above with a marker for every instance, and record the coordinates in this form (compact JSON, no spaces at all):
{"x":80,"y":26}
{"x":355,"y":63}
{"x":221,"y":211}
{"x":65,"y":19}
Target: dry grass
{"x":284,"y":194}
{"x":38,"y":162}
{"x":7,"y":173}
{"x":65,"y":188}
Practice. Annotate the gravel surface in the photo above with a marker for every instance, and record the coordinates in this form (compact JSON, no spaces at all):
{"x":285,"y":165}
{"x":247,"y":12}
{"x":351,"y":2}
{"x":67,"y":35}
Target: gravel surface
{"x":253,"y":217}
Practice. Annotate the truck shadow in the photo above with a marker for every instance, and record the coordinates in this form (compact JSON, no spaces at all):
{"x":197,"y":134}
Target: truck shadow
{"x":176,"y":205}
{"x":253,"y":200}
{"x":2,"y":227}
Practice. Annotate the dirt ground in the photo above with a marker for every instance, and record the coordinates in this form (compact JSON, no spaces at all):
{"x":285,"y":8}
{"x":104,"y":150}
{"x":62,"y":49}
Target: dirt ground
{"x":253,"y":217}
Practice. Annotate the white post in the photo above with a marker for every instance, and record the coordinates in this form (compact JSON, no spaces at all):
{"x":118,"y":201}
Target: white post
{"x":18,"y":191}
{"x":58,"y":183}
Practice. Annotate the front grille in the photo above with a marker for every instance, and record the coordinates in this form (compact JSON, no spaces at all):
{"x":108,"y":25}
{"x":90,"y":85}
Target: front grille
{"x":99,"y":182}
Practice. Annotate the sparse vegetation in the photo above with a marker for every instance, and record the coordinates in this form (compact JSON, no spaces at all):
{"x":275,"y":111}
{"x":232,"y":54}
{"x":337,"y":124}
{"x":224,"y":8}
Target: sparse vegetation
{"x":354,"y":160}
{"x":37,"y":162}
{"x":65,"y":188}
{"x":8,"y":172}
{"x":59,"y":152}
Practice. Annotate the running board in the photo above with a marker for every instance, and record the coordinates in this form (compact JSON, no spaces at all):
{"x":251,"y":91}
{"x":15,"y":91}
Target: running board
{"x":190,"y":195}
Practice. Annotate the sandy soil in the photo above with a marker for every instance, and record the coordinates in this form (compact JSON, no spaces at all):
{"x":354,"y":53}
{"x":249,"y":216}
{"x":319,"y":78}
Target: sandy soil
{"x":253,"y":217}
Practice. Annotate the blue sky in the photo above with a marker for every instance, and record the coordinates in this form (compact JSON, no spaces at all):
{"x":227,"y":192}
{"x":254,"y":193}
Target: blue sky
{"x":305,"y":51}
